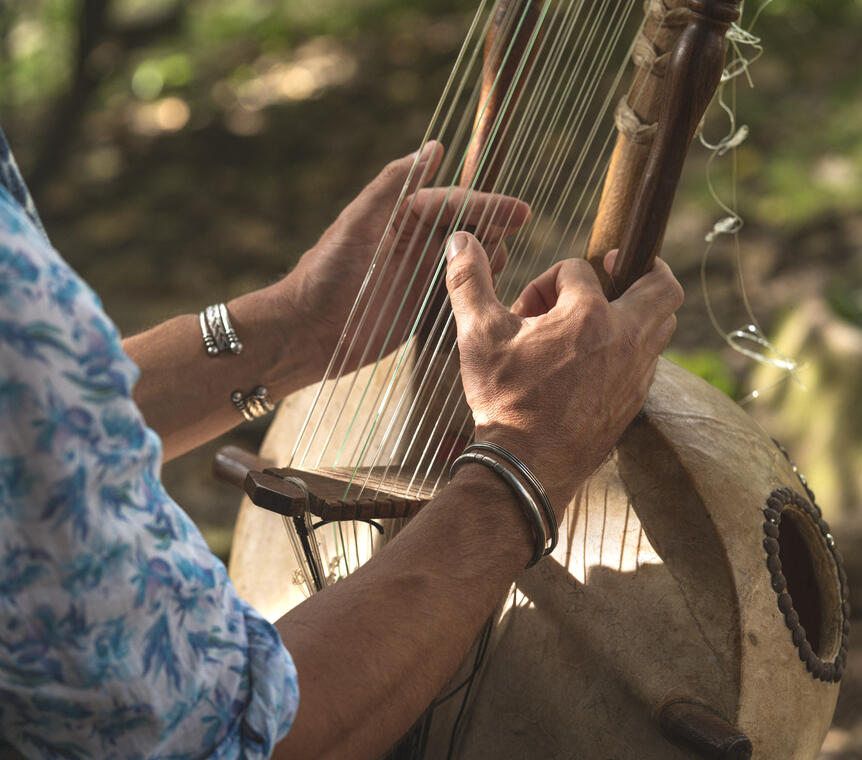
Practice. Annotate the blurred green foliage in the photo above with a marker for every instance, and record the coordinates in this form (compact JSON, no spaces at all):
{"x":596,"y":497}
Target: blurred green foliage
{"x":804,"y":156}
{"x":708,"y":365}
{"x":845,"y":301}
{"x":39,"y":36}
{"x":38,"y":40}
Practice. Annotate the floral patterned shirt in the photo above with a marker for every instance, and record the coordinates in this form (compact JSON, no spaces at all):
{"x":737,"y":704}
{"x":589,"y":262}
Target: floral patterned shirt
{"x":121,"y":635}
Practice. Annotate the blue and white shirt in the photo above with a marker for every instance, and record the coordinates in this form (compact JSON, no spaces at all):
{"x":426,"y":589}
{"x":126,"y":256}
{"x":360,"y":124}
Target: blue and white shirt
{"x":121,"y":635}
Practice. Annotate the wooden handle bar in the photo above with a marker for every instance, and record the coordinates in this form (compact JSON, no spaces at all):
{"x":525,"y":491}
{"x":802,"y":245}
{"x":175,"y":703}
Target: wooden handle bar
{"x":512,"y":28}
{"x":232,"y":464}
{"x":693,"y":75}
{"x":665,"y":20}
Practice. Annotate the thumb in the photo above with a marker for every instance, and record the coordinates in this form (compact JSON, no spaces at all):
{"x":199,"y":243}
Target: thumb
{"x":469,"y":281}
{"x":386,"y":187}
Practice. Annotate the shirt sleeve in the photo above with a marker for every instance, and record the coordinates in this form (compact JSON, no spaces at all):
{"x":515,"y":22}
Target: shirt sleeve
{"x":120,"y":634}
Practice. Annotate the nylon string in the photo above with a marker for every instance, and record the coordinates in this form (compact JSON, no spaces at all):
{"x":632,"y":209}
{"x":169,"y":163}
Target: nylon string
{"x":537,"y":132}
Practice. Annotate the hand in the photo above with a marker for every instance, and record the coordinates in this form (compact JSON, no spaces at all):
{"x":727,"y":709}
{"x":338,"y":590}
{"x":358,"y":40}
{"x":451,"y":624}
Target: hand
{"x":323,"y":287}
{"x":557,"y":378}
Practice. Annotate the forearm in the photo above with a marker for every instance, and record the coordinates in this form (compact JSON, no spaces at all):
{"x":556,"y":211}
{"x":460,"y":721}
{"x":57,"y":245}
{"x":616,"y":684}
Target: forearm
{"x":373,"y":650}
{"x":184,"y":394}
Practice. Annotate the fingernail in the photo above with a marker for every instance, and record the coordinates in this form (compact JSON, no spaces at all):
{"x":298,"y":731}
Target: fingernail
{"x":457,"y":243}
{"x":426,"y":152}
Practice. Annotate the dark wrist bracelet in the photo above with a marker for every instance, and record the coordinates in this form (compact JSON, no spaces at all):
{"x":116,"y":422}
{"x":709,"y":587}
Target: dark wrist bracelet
{"x":530,"y":507}
{"x":531,"y":480}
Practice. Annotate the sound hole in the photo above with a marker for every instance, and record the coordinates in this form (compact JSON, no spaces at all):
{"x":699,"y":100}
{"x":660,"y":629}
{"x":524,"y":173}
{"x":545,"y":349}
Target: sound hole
{"x":811,"y":581}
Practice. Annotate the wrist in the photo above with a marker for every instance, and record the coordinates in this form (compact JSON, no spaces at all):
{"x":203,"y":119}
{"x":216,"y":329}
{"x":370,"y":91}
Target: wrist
{"x":555,"y":467}
{"x":493,"y":509}
{"x":274,"y":340}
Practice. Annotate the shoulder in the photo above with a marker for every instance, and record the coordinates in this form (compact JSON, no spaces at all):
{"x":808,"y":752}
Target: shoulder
{"x":31,"y":271}
{"x":174,"y":660}
{"x":51,"y":322}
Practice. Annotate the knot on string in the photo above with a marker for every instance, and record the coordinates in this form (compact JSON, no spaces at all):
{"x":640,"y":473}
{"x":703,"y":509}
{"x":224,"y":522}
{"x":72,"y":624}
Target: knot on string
{"x":728,"y":225}
{"x":733,"y":141}
{"x":749,"y":341}
{"x":744,"y":37}
{"x":763,"y":348}
{"x":645,"y":56}
{"x":729,"y":142}
{"x":658,"y":12}
{"x":739,"y":64}
{"x":632,"y":126}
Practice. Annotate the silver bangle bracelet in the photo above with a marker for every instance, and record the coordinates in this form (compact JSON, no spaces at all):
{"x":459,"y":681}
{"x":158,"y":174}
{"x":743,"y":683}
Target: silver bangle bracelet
{"x":256,"y":404}
{"x":216,"y":327}
{"x":531,"y":480}
{"x":232,"y":340}
{"x":531,"y":509}
{"x":209,"y":342}
{"x":217,"y":331}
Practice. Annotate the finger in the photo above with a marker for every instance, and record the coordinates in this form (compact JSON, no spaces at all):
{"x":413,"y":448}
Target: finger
{"x":610,"y":259}
{"x":660,"y":339}
{"x":652,"y":298}
{"x":577,"y":280}
{"x":469,"y":281}
{"x":427,"y":162}
{"x":385,"y":189}
{"x":492,"y":214}
{"x":540,"y":296}
{"x":649,"y":376}
{"x":498,"y":255}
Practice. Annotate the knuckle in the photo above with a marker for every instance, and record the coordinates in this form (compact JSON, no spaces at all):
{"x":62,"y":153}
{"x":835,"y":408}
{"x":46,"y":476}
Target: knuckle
{"x":675,"y":293}
{"x":391,"y":172}
{"x":576,"y":267}
{"x":576,"y":263}
{"x":643,"y":390}
{"x":459,"y":275}
{"x":631,"y":342}
{"x":466,"y":328}
{"x":665,"y":333}
{"x":593,"y":313}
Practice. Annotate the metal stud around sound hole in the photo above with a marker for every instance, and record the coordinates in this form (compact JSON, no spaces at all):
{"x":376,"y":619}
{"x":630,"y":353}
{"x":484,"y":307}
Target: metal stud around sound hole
{"x":777,"y":505}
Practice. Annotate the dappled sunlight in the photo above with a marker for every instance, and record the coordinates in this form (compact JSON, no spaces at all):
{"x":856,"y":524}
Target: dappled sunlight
{"x":314,"y":68}
{"x":836,"y":172}
{"x":212,"y":146}
{"x":26,"y":38}
{"x":164,"y":115}
{"x":600,"y":529}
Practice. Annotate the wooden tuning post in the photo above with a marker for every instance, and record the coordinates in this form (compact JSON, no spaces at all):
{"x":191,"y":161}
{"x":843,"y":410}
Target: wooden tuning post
{"x":703,"y":730}
{"x":693,"y":75}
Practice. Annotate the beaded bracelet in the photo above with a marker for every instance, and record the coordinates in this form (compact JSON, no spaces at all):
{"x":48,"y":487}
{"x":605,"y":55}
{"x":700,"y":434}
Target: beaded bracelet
{"x":531,"y":509}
